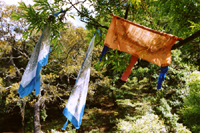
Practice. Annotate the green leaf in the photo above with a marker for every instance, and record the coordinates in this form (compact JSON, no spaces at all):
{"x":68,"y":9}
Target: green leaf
{"x":72,"y":16}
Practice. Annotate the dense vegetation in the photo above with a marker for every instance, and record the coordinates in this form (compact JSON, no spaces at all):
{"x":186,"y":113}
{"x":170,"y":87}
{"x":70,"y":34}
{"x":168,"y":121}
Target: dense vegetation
{"x":112,"y":105}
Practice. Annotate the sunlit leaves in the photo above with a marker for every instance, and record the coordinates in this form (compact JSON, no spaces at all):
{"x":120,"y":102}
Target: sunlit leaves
{"x":50,"y":77}
{"x":12,"y":71}
{"x":37,"y":16}
{"x":191,"y":107}
{"x":180,"y":14}
{"x":12,"y":97}
{"x":148,"y":123}
{"x":137,"y":2}
{"x":194,"y":25}
{"x":35,"y":19}
{"x":5,"y":48}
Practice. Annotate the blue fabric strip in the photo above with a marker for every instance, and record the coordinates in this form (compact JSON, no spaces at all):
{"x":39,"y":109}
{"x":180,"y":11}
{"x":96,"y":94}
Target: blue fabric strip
{"x":162,"y":76}
{"x":65,"y":125}
{"x":28,"y":89}
{"x":99,"y":32}
{"x":35,"y":82}
{"x":71,"y":117}
{"x":62,"y":11}
{"x":94,"y":34}
{"x":56,"y":14}
{"x":105,"y":49}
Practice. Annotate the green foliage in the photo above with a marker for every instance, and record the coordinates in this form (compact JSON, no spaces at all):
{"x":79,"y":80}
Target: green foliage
{"x":143,"y":72}
{"x":43,"y":114}
{"x":194,"y":25}
{"x":191,"y":109}
{"x":37,"y":16}
{"x":170,"y":119}
{"x":29,"y":117}
{"x":177,"y":13}
{"x":114,"y":59}
{"x":165,"y":110}
{"x":148,"y":123}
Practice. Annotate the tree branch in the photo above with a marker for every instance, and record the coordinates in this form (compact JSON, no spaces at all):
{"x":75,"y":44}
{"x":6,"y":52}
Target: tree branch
{"x":13,"y":63}
{"x":97,"y":25}
{"x":24,"y":54}
{"x":188,"y":39}
{"x":127,"y":9}
{"x":74,"y":4}
{"x":87,"y":16}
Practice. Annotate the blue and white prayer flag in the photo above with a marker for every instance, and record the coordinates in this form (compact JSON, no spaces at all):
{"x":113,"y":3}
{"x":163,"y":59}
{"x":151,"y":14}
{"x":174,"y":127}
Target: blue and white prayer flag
{"x":31,"y":77}
{"x":75,"y":106}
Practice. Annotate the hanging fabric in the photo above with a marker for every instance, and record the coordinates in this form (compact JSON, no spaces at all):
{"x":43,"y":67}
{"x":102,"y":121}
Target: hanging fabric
{"x":162,"y":76}
{"x":105,"y":49}
{"x":128,"y":69}
{"x":140,"y":41}
{"x":56,"y":14}
{"x":31,"y":77}
{"x":75,"y":105}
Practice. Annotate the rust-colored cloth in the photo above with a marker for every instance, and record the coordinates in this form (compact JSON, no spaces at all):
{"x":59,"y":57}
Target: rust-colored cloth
{"x":129,"y":67}
{"x":140,"y":41}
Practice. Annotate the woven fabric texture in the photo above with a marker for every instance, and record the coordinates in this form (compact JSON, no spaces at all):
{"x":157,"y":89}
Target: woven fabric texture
{"x":140,"y":41}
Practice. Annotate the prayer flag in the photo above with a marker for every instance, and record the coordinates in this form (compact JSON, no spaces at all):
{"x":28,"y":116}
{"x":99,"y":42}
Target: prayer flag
{"x":31,"y":77}
{"x":75,"y":105}
{"x":140,"y":41}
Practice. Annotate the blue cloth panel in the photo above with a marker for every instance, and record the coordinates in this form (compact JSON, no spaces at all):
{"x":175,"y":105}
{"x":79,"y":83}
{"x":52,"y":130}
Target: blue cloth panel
{"x":105,"y":49}
{"x":72,"y":119}
{"x":162,"y":76}
{"x":56,"y":14}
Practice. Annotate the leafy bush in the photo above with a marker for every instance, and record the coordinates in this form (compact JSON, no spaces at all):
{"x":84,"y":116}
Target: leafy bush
{"x":148,"y":123}
{"x":191,"y":109}
{"x":170,"y":119}
{"x":165,"y":110}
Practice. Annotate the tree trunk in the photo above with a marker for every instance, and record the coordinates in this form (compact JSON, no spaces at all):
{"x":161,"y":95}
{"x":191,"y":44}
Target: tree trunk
{"x":22,"y":109}
{"x":37,"y":126}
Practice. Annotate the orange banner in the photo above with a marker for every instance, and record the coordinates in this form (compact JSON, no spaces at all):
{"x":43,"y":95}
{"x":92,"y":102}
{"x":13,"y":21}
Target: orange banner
{"x":140,"y":41}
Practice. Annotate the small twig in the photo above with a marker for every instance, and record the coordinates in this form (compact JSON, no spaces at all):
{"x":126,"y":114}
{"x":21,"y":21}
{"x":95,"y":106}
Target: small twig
{"x":87,"y":15}
{"x":21,"y":53}
{"x":13,"y":63}
{"x":96,"y":25}
{"x":3,"y":58}
{"x":8,"y":87}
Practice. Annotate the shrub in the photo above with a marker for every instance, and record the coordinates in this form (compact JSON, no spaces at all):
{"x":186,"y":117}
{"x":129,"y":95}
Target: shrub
{"x":148,"y":123}
{"x":170,"y":119}
{"x":165,"y":111}
{"x":191,"y":108}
